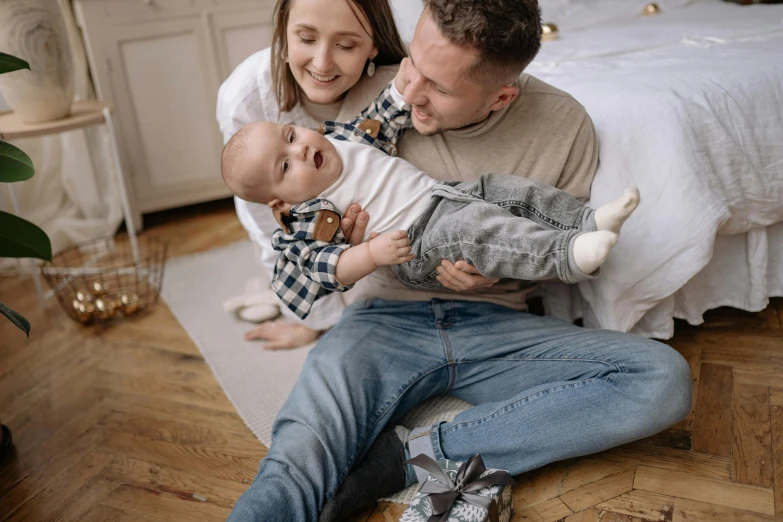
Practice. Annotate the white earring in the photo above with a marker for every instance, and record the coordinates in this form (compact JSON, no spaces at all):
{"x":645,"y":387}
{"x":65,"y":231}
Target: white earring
{"x":286,"y":59}
{"x":371,"y":69}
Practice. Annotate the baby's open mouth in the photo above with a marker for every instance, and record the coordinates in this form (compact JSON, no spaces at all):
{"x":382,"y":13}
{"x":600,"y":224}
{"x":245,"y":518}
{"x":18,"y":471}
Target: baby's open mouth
{"x":318,"y":159}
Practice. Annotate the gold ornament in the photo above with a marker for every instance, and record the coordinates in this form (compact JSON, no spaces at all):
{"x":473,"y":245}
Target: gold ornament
{"x":83,"y":296}
{"x":98,"y":288}
{"x":103,"y":310}
{"x":651,"y":9}
{"x":85,"y":313}
{"x":549,"y":32}
{"x":113,"y":304}
{"x":130,"y":303}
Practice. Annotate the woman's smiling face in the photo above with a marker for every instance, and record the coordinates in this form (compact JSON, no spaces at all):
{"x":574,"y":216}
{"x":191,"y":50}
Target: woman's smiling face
{"x":329,"y":43}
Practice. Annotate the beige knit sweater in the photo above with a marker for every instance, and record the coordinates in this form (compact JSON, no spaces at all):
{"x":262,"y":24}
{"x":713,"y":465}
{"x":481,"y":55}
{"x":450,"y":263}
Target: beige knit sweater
{"x":544,"y":135}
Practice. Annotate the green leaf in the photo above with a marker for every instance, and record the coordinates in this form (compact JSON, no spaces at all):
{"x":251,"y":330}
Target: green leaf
{"x":20,"y":238}
{"x":22,"y":323}
{"x":10,"y":63}
{"x":15,"y":165}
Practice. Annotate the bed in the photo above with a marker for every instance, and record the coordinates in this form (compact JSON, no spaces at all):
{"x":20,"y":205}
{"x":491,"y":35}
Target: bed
{"x":688,"y":106}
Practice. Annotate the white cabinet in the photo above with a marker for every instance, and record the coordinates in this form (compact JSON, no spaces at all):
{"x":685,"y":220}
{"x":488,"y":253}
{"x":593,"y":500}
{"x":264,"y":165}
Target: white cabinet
{"x":160,"y":63}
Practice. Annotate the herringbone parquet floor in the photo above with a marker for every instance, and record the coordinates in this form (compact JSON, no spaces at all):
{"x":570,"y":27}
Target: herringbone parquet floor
{"x":127,"y":423}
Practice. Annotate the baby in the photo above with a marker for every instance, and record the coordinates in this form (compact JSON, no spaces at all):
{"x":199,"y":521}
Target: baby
{"x":506,"y":226}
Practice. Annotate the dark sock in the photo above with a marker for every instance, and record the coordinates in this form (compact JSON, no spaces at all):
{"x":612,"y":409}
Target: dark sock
{"x":379,"y":474}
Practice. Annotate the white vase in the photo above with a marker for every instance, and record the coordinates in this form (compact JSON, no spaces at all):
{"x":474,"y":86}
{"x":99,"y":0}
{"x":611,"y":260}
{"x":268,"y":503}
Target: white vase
{"x":34,"y":30}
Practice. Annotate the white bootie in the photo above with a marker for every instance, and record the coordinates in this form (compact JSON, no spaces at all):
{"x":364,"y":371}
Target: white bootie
{"x":256,"y":305}
{"x":592,"y":248}
{"x":612,"y":215}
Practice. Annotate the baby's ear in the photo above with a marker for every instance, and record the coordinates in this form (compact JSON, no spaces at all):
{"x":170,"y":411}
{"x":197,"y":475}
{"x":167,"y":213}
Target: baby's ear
{"x":279,"y":205}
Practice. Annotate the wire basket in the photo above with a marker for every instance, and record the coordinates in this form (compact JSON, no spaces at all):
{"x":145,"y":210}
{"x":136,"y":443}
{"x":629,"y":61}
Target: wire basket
{"x":100,"y":281}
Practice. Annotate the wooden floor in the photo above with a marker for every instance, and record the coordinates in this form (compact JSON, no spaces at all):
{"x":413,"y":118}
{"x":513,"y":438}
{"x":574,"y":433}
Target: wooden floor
{"x":128,"y":423}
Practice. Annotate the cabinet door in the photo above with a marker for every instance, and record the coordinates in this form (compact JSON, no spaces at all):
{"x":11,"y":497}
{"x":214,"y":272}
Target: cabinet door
{"x":164,"y":84}
{"x":239,"y":34}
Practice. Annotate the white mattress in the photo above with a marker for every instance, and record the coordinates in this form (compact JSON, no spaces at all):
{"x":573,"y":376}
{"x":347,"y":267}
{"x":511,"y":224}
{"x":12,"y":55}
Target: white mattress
{"x":688,"y":106}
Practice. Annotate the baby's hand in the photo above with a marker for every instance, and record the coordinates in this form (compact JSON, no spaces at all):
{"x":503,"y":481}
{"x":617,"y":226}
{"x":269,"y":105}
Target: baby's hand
{"x":391,"y":249}
{"x":402,"y":79}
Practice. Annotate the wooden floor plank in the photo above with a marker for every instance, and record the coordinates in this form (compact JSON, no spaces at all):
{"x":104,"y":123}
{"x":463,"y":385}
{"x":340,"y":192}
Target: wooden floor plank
{"x":101,"y":513}
{"x":776,"y":415}
{"x":209,"y":461}
{"x":540,"y":485}
{"x":755,"y":357}
{"x":599,"y":491}
{"x":712,"y":423}
{"x":641,"y":504}
{"x":32,"y":481}
{"x":549,"y":511}
{"x":751,"y":452}
{"x":676,"y":460}
{"x":180,"y":483}
{"x":181,"y":433}
{"x":588,"y":515}
{"x":608,"y":516}
{"x":166,"y":506}
{"x":692,"y":511}
{"x":50,"y":502}
{"x":85,"y":499}
{"x":703,"y":489}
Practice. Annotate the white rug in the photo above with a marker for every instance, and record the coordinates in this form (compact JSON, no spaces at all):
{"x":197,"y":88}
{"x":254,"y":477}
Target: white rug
{"x":255,"y":380}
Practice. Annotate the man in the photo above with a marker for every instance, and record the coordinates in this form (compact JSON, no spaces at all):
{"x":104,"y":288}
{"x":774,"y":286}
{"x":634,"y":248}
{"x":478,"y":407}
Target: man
{"x":543,"y":390}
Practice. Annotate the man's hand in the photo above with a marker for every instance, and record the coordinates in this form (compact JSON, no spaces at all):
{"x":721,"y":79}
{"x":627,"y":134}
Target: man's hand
{"x":354,"y":224}
{"x":402,"y":79}
{"x":391,"y":249}
{"x":462,"y":276}
{"x":282,"y":335}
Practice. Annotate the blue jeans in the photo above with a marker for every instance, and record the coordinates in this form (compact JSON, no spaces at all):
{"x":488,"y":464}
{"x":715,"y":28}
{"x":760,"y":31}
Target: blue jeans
{"x":544,"y":390}
{"x":506,"y":226}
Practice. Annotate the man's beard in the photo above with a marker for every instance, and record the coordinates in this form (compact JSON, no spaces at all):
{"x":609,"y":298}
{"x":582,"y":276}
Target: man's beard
{"x":477,"y":117}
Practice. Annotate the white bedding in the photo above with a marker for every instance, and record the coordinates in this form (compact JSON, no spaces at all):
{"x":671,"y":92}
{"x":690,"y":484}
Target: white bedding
{"x":688,"y":106}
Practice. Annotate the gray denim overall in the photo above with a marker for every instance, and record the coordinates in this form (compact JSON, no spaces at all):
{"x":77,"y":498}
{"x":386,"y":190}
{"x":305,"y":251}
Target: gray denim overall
{"x":506,"y":226}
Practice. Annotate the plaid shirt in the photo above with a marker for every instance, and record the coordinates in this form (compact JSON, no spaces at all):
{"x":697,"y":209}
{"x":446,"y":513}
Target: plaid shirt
{"x":307,"y":267}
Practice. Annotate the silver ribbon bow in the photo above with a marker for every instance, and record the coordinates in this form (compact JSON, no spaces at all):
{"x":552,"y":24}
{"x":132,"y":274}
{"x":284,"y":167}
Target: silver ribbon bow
{"x":443,"y":492}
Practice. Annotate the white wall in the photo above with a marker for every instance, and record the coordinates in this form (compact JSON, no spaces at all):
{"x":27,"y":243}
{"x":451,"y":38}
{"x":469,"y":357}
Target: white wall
{"x":406,"y":13}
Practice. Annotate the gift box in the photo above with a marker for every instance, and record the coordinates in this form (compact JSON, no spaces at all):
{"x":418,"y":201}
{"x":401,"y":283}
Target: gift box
{"x":460,"y":492}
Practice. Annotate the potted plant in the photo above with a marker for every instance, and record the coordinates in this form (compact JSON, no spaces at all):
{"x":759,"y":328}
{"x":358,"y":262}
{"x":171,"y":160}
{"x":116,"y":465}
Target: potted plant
{"x":18,"y":237}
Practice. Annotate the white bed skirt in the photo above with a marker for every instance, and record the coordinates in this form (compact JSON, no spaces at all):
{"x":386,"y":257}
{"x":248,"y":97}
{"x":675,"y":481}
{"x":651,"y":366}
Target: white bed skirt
{"x":744,"y":272}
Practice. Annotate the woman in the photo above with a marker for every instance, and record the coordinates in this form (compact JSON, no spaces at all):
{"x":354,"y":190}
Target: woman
{"x":320,"y":50}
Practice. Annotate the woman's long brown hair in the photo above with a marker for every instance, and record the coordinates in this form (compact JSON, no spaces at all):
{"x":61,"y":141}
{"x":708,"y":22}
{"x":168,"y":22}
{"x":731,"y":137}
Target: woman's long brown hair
{"x":385,"y":37}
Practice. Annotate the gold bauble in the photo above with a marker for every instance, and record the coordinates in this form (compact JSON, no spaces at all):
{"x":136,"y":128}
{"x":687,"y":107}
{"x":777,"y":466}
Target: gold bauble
{"x":549,"y":32}
{"x":85,"y":312}
{"x":130,"y":303}
{"x":83,"y":295}
{"x":114,"y":304}
{"x":98,"y":288}
{"x":651,"y":9}
{"x":103,"y":310}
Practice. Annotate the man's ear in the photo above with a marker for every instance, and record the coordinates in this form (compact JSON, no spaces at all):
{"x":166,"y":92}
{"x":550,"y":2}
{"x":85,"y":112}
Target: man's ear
{"x":279,"y":205}
{"x":503,"y":97}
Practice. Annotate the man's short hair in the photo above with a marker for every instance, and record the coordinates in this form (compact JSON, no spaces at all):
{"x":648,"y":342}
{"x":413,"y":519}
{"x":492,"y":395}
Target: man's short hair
{"x":506,"y":34}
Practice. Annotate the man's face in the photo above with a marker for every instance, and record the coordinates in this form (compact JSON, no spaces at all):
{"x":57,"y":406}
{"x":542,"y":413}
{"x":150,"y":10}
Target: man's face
{"x":440,"y":94}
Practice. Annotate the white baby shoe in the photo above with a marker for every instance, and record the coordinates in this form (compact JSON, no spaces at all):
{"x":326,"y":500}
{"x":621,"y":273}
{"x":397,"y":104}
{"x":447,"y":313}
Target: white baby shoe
{"x":256,"y":305}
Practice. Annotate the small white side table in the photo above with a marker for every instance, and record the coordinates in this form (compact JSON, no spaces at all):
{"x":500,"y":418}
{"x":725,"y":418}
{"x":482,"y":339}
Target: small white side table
{"x":83,"y":114}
